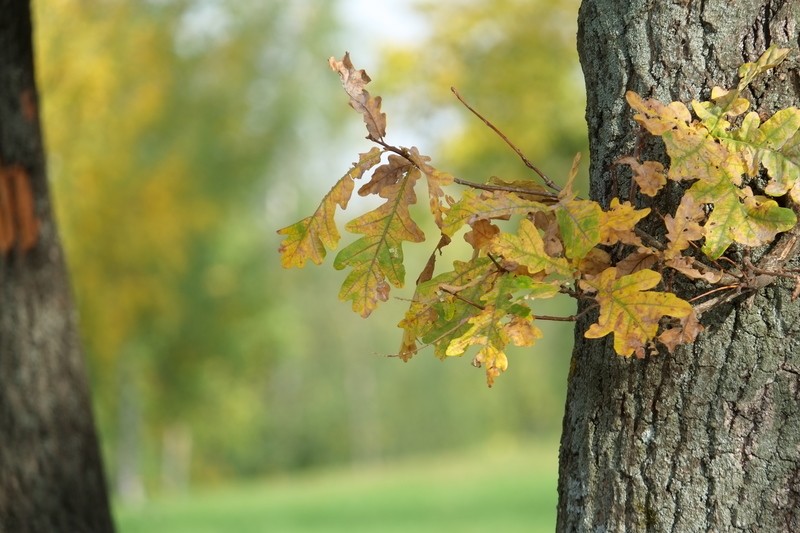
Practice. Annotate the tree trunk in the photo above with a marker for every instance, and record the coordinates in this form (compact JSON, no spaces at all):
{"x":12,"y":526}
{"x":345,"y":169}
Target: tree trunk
{"x":51,"y":479}
{"x":706,"y":439}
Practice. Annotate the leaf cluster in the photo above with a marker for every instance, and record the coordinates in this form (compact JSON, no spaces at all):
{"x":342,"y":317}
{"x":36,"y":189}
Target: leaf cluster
{"x":740,"y":179}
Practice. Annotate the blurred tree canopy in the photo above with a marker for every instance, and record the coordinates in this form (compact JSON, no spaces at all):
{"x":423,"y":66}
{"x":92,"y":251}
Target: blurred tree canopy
{"x":513,"y":60}
{"x":182,"y":133}
{"x":164,"y":120}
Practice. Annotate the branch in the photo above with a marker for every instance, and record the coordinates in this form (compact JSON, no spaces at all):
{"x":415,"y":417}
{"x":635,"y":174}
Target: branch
{"x":468,"y":302}
{"x":550,"y":183}
{"x":402,"y":152}
{"x":570,"y":318}
{"x":504,"y":188}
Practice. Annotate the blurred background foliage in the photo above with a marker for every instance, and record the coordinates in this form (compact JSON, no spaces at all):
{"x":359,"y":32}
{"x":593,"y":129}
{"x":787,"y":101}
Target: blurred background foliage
{"x":182,"y":133}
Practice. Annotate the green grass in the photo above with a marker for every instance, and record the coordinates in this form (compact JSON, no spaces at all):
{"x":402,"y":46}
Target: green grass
{"x":499,"y":488}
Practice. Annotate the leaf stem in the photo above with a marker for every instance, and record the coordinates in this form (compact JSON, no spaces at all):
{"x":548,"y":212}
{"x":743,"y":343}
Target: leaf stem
{"x":550,"y":183}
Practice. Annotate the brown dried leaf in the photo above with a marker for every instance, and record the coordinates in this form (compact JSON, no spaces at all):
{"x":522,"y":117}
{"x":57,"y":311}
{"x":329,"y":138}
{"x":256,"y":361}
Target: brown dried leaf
{"x":481,"y":234}
{"x":690,"y":327}
{"x":642,"y":259}
{"x":386,"y":175}
{"x":354,"y":82}
{"x":548,"y":223}
{"x":649,"y":176}
{"x":595,"y":262}
{"x":694,"y":270}
{"x":436,"y":179}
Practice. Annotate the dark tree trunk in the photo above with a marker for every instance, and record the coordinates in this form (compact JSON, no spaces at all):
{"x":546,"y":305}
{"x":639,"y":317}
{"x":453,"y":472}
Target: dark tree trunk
{"x":51,"y":479}
{"x":706,"y":439}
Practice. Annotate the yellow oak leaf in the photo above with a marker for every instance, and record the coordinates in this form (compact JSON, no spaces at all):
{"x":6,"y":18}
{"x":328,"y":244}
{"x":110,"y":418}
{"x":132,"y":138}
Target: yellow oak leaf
{"x":378,"y":256}
{"x":527,"y":249}
{"x":684,"y":227}
{"x":486,"y":205}
{"x":308,"y":239}
{"x":739,"y":216}
{"x":616,"y":224}
{"x":629,"y":310}
{"x":771,"y":58}
{"x":491,"y":334}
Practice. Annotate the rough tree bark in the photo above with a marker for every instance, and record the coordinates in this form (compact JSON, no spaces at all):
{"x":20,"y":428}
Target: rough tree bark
{"x":51,"y":479}
{"x":706,"y":439}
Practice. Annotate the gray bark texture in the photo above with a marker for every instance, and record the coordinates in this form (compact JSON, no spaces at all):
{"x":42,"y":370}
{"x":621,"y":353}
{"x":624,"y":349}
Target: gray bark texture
{"x":708,"y":438}
{"x":51,"y":478}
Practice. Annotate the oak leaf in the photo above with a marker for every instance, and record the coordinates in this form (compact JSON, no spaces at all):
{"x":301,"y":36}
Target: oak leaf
{"x":354,"y":83}
{"x":771,"y":58}
{"x":377,"y":258}
{"x":501,"y":321}
{"x":527,"y":249}
{"x":775,"y":145}
{"x":617,"y":223}
{"x":436,"y":316}
{"x":436,"y":179}
{"x":309,"y":238}
{"x":595,"y":262}
{"x":724,"y":103}
{"x":579,"y":221}
{"x":629,"y":310}
{"x":694,"y":269}
{"x":641,"y":259}
{"x":481,"y":235}
{"x":386,"y":176}
{"x":486,"y":205}
{"x":649,"y":175}
{"x":686,"y":333}
{"x":693,"y":153}
{"x":739,"y":216}
{"x":684,"y":227}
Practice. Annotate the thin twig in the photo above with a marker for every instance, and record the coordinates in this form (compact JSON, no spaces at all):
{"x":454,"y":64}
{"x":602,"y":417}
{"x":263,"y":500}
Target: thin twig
{"x":589,"y":308}
{"x":550,"y":183}
{"x":571,"y":318}
{"x":456,"y":295}
{"x":712,"y":291}
{"x":504,"y":188}
{"x":399,"y":151}
{"x":402,"y":152}
{"x":496,"y":264}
